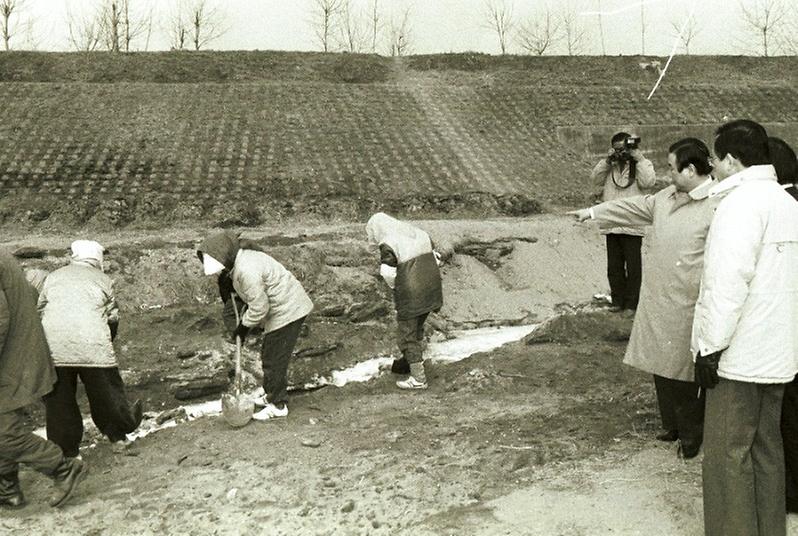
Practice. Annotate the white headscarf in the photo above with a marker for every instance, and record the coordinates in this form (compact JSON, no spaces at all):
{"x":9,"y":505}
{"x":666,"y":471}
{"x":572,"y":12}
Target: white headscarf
{"x":88,"y":252}
{"x":406,"y":241}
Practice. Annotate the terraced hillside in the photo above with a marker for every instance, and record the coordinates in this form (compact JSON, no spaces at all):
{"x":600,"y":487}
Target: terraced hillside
{"x":238,"y":138}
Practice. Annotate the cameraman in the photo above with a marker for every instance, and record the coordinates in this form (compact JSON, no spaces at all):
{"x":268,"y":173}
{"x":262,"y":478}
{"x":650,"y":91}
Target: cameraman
{"x":625,"y":172}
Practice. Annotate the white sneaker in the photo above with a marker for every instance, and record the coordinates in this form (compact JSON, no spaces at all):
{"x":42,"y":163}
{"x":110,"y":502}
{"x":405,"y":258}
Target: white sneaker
{"x":258,"y":397}
{"x":270,"y":411}
{"x":411,"y":383}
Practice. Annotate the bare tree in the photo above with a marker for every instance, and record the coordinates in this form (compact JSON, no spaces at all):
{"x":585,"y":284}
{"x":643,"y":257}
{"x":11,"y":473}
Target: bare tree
{"x":573,"y":32}
{"x":110,"y":22}
{"x":401,"y":37}
{"x":765,"y":18}
{"x":539,"y":33}
{"x":10,"y":22}
{"x":375,"y":24}
{"x":325,"y":12}
{"x":114,"y":25}
{"x":788,"y":38}
{"x":601,"y":30}
{"x":134,"y":26}
{"x":686,"y":31}
{"x":500,"y":19}
{"x":353,"y":32}
{"x":8,"y":8}
{"x":85,"y":31}
{"x":205,"y":24}
{"x":177,"y":28}
{"x":643,"y":28}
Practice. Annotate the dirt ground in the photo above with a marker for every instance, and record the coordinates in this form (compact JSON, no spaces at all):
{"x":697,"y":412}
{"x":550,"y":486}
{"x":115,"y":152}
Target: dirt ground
{"x":547,"y":436}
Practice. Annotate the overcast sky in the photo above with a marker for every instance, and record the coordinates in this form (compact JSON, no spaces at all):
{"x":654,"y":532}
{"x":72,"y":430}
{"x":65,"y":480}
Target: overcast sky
{"x":436,"y":25}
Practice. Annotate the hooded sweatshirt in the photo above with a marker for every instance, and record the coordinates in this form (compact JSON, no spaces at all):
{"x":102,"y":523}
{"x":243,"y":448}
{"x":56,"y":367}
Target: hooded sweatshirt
{"x":273,"y":295}
{"x":418,"y":289}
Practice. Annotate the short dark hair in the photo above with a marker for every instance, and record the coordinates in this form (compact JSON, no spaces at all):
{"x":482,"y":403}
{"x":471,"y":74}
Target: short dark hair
{"x":620,"y":136}
{"x":783,"y":158}
{"x":691,"y":151}
{"x":745,"y":140}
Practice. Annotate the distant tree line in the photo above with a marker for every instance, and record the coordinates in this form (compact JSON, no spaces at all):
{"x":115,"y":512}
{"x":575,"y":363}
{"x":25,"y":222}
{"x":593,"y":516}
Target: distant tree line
{"x":385,"y":26}
{"x":771,"y":27}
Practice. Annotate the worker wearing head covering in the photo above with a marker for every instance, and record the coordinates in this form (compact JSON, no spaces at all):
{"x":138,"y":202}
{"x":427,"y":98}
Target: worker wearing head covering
{"x":409,"y":266}
{"x":80,"y":319}
{"x":275,"y":301}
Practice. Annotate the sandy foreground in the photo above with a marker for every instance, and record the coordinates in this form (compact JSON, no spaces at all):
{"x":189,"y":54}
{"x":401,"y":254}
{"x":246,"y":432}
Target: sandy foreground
{"x":552,"y":438}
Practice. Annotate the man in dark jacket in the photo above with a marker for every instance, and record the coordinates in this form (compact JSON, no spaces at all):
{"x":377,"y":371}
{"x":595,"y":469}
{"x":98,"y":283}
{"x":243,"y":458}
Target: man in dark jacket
{"x":786,"y":164}
{"x":26,"y":375}
{"x":784,"y":160}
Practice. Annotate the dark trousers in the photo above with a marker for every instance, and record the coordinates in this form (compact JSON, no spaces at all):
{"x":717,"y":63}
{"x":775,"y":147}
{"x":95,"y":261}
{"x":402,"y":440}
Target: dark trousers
{"x":410,"y":338}
{"x":789,"y":436}
{"x":275,"y":353}
{"x":108,"y":405}
{"x":18,"y":445}
{"x":624,"y":269}
{"x":681,"y":409}
{"x":743,"y":467}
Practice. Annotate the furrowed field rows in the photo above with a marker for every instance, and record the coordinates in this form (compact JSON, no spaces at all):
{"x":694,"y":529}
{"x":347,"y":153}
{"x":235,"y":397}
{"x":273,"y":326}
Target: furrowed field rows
{"x":212,"y":142}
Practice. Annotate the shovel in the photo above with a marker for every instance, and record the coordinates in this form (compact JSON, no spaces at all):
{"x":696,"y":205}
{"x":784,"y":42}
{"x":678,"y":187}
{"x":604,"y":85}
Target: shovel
{"x":237,"y":408}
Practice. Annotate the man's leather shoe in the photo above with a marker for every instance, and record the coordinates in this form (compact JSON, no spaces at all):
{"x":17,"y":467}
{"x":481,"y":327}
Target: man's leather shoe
{"x":689,"y":450}
{"x":669,"y":436}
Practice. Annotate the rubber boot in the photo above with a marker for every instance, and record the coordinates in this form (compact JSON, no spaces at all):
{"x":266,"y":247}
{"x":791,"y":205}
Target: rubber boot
{"x":10,"y":492}
{"x":67,"y":476}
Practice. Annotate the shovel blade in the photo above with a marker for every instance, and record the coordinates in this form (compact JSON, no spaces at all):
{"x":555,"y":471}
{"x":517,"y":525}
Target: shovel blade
{"x":237,"y":410}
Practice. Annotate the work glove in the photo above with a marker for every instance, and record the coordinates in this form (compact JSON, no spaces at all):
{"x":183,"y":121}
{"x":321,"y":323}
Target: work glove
{"x":706,"y":369}
{"x":241,"y":331}
{"x":113,"y":327}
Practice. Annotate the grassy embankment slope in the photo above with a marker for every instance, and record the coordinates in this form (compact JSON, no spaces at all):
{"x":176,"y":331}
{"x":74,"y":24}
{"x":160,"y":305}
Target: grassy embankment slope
{"x":247,"y":137}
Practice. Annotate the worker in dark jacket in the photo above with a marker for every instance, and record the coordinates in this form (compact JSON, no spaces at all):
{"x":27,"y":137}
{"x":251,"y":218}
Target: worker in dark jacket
{"x":784,"y":160}
{"x":409,"y":266}
{"x":26,"y":375}
{"x":786,"y":164}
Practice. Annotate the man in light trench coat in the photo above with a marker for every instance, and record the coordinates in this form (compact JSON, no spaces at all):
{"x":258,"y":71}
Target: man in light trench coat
{"x":679,"y":216}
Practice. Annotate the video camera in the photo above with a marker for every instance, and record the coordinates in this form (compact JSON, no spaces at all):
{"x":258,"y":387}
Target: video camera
{"x":629,"y":144}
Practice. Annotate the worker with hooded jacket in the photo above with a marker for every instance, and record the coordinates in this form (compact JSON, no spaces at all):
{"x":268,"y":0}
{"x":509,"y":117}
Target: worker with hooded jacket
{"x":410,"y":267}
{"x":81,"y":318}
{"x":275,"y":301}
{"x":26,"y":375}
